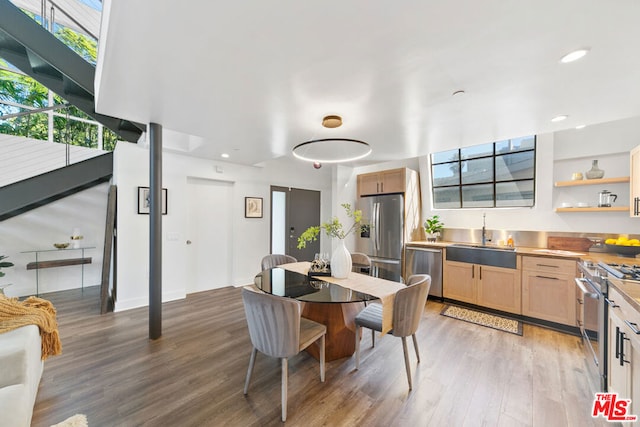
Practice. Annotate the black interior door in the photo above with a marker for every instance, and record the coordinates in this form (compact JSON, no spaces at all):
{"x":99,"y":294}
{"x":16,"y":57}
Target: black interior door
{"x":302,"y":211}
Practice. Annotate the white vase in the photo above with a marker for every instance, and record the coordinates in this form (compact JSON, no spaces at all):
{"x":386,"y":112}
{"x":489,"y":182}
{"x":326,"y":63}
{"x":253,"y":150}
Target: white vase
{"x":340,"y":261}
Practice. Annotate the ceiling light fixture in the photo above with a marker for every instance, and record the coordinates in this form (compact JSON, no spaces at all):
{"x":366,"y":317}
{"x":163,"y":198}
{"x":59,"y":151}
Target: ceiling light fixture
{"x":574,"y":56}
{"x":332,"y":150}
{"x":581,"y":127}
{"x":224,"y":155}
{"x":458,"y":93}
{"x":559,"y":118}
{"x":332,"y":122}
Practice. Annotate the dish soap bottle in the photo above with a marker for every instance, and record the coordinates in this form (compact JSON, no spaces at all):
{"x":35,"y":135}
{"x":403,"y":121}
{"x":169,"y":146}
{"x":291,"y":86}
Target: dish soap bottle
{"x":510,"y":241}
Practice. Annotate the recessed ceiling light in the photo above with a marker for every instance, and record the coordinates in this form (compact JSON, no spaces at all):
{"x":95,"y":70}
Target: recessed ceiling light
{"x":458,"y":93}
{"x":559,"y":118}
{"x":574,"y":56}
{"x":581,"y":126}
{"x":224,"y":155}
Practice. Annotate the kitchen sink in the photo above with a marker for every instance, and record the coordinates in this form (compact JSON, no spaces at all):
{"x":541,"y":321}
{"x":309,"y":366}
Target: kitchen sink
{"x":495,"y":256}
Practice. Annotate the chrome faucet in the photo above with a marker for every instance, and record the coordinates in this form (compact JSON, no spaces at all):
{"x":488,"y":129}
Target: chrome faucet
{"x":484,"y":229}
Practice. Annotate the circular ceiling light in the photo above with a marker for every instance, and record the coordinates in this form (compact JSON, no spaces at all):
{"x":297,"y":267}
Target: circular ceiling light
{"x":332,"y":150}
{"x":559,"y":118}
{"x":574,"y":56}
{"x":332,"y":122}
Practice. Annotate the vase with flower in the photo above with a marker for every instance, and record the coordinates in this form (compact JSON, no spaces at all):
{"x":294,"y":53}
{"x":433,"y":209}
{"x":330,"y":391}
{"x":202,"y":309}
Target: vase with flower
{"x":341,"y":258}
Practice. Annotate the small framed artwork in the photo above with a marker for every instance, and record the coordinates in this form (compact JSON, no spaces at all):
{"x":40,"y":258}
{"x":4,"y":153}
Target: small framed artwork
{"x":253,"y":207}
{"x":144,"y":200}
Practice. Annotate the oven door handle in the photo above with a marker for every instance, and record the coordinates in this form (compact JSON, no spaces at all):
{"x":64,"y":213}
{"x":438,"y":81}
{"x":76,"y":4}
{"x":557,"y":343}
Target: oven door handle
{"x":581,"y":284}
{"x":633,"y":326}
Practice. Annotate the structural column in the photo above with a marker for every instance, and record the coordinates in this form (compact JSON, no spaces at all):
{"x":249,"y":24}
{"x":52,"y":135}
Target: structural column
{"x":155,"y":231}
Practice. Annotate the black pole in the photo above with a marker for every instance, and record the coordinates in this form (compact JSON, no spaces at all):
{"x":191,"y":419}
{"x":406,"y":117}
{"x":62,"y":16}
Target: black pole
{"x":155,"y":231}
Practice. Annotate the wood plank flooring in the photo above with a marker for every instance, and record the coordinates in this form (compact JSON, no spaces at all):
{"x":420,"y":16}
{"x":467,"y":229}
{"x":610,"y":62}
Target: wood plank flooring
{"x":194,"y":375}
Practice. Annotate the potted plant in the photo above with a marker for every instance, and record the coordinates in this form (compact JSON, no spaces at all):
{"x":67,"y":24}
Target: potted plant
{"x":341,"y":258}
{"x":433,"y":226}
{"x":4,"y":264}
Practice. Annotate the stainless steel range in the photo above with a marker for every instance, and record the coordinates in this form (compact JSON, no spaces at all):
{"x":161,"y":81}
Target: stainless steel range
{"x":593,"y":310}
{"x":592,"y":318}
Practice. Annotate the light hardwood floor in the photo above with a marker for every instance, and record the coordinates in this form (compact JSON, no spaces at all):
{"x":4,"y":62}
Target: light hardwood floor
{"x":194,"y":375}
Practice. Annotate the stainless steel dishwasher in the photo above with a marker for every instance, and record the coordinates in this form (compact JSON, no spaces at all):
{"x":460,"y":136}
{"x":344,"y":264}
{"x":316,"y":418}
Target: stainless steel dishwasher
{"x":421,"y":260}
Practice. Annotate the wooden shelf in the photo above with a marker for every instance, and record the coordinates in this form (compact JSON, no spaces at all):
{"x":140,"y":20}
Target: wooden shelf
{"x":594,"y":209}
{"x":601,"y":181}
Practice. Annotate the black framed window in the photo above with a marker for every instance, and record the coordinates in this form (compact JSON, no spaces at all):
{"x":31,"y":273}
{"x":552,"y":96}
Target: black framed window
{"x":494,"y":175}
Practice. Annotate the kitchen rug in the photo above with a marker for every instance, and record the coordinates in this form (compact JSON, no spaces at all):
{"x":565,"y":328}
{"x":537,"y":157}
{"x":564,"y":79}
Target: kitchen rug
{"x":483,"y":319}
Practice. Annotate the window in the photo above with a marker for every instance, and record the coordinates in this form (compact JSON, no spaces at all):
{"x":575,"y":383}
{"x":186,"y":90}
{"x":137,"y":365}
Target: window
{"x":495,"y":175}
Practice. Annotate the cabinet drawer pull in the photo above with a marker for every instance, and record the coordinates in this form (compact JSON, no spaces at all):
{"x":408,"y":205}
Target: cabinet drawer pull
{"x":547,"y":277}
{"x":547,"y":265}
{"x":611,"y":303}
{"x":633,"y":326}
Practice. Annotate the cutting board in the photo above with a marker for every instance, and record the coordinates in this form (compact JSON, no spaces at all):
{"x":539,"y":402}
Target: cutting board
{"x":569,"y":243}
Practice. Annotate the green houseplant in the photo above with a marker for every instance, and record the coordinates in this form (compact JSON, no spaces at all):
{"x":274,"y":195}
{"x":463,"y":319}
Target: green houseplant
{"x":4,"y":264}
{"x":433,"y":226}
{"x":341,"y":258}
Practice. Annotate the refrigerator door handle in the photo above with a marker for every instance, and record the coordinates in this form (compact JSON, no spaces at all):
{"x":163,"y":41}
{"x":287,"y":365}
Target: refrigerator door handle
{"x":377,"y":227}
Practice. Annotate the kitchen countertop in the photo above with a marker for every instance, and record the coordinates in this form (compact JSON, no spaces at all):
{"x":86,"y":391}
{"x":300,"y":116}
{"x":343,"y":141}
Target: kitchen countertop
{"x":629,"y":289}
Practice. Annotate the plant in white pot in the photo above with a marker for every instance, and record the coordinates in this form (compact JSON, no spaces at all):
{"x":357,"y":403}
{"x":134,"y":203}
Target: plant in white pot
{"x":4,"y":264}
{"x":433,"y":227}
{"x":341,"y":258}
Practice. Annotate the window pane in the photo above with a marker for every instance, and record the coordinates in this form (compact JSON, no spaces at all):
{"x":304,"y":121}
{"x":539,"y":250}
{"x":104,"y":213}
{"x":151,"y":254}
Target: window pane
{"x":516,"y":144}
{"x":519,"y":193}
{"x":515,"y":166}
{"x":445,"y":156}
{"x":446,"y":174}
{"x":448,"y":197}
{"x":476,"y":151}
{"x":477,"y":196}
{"x":479,"y":170}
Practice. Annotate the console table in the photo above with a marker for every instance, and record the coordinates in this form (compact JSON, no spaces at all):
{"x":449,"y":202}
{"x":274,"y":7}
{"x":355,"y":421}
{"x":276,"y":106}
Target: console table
{"x":39,"y":263}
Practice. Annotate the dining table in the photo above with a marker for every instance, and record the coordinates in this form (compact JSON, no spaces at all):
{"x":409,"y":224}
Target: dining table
{"x":331,"y":301}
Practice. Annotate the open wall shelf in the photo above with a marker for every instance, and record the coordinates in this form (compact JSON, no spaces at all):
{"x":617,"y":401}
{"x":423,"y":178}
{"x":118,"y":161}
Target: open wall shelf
{"x":601,"y":181}
{"x":595,"y":209}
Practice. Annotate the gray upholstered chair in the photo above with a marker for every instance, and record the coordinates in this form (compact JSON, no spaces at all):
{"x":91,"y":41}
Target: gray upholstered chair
{"x":408,"y":306}
{"x":361,"y":262}
{"x":275,"y":260}
{"x":277,"y":330}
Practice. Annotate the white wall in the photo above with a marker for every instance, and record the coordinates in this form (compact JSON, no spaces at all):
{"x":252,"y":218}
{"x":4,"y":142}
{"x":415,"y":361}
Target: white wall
{"x":53,"y":223}
{"x":558,"y":156}
{"x":250,"y":235}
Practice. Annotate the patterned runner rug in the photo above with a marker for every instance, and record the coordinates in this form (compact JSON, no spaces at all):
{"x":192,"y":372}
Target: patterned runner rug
{"x":483,"y":319}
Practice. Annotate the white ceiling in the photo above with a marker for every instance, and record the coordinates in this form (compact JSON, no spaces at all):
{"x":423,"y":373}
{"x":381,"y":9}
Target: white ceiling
{"x":254,"y":78}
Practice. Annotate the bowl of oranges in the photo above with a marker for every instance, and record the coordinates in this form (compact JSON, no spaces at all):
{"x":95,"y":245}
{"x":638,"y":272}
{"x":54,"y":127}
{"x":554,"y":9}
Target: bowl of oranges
{"x":623,"y":246}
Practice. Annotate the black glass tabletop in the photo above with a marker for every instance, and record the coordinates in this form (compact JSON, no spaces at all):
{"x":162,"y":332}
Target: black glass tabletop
{"x":281,"y":282}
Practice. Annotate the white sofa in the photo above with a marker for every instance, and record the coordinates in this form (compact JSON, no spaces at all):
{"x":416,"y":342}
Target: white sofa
{"x":20,"y":372}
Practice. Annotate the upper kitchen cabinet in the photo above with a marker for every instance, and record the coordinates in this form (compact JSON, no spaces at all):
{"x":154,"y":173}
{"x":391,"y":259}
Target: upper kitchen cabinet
{"x":634,"y":169}
{"x":382,"y":182}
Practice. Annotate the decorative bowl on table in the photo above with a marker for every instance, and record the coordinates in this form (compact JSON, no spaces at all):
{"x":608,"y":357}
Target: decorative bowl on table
{"x":61,"y":245}
{"x":629,"y":251}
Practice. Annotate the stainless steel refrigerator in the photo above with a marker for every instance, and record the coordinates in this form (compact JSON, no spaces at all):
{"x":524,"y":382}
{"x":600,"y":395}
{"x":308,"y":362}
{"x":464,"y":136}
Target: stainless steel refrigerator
{"x":384,"y":240}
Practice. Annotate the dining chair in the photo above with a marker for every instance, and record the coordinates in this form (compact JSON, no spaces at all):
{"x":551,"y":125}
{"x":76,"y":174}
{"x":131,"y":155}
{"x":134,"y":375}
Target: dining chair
{"x":408,"y":306}
{"x":361,"y":262}
{"x":277,"y":329}
{"x":274,"y":260}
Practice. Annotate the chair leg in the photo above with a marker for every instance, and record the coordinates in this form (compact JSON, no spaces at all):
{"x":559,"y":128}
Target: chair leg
{"x":415,"y":345}
{"x":285,"y":371}
{"x":358,"y":337}
{"x":373,"y":338}
{"x":322,"y":346}
{"x":406,"y":361}
{"x":252,"y":362}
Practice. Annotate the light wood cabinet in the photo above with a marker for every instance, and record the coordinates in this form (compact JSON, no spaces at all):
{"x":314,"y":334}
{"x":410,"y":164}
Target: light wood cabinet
{"x":486,"y":286}
{"x":383,"y":182}
{"x":635,"y":182}
{"x":548,"y":289}
{"x":623,"y":376}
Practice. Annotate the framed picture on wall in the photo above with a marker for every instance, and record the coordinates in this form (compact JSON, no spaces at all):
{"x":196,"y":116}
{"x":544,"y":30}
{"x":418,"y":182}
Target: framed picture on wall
{"x":253,"y":207}
{"x":144,"y":200}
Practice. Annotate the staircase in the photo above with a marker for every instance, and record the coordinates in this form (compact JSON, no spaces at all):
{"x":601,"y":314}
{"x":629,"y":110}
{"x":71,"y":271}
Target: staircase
{"x":39,"y":54}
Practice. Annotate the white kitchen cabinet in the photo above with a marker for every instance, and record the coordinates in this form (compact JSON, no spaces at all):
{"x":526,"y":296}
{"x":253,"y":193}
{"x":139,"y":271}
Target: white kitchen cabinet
{"x":486,"y":286}
{"x":548,"y":289}
{"x":635,"y":182}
